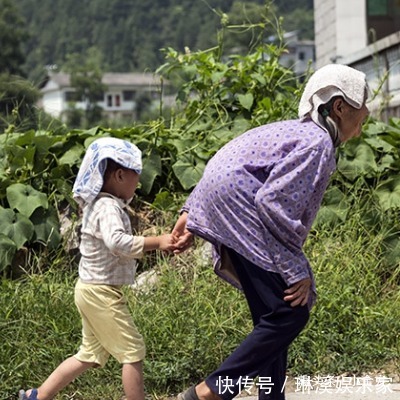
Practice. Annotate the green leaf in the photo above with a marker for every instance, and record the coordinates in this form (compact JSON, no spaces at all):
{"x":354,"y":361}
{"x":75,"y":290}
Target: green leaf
{"x":260,"y":78}
{"x":182,"y":145}
{"x":151,"y":169}
{"x":47,"y":227}
{"x":72,"y":156}
{"x":190,"y":71}
{"x":200,"y":126}
{"x":358,"y":160}
{"x":7,"y":251}
{"x":377,"y":143}
{"x":188,"y":171}
{"x":388,"y":193}
{"x":392,"y":250}
{"x":246,"y":100}
{"x":16,"y":226}
{"x":240,"y":125}
{"x":164,"y":201}
{"x":385,"y":162}
{"x":25,"y":198}
{"x":334,"y":208}
{"x":21,"y":157}
{"x":217,"y":76}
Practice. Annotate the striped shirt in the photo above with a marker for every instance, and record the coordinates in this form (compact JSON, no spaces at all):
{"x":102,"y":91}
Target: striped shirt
{"x":108,"y":248}
{"x":260,"y":194}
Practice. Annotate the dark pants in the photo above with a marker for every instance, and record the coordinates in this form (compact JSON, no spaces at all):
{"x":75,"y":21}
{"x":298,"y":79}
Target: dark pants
{"x":263,"y":353}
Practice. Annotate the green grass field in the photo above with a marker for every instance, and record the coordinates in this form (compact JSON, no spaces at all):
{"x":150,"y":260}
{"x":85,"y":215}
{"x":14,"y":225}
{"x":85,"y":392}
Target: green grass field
{"x":191,"y":320}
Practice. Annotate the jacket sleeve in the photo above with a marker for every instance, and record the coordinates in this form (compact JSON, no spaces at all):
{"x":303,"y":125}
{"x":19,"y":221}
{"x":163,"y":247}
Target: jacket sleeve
{"x":287,"y":204}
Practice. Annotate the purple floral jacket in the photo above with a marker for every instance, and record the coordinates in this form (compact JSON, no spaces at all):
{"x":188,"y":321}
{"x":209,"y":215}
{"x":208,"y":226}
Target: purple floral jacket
{"x":260,"y":194}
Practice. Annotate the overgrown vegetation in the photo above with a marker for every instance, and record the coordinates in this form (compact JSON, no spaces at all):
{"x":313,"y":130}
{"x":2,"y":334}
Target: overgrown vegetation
{"x":190,"y":319}
{"x":218,"y":99}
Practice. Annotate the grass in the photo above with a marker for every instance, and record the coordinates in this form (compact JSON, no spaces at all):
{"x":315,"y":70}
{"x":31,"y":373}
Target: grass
{"x":191,"y":320}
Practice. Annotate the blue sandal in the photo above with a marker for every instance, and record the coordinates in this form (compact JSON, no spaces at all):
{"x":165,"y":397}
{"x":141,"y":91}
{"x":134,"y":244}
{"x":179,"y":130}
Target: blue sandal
{"x":33,"y":396}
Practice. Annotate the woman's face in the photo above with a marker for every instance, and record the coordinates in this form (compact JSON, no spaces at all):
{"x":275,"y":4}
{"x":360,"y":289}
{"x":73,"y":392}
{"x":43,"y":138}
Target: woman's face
{"x":351,"y":121}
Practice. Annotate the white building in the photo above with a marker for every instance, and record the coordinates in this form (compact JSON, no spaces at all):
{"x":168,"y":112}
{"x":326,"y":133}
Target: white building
{"x":340,"y":29}
{"x":121,"y":97}
{"x":364,"y":34}
{"x":299,"y":54}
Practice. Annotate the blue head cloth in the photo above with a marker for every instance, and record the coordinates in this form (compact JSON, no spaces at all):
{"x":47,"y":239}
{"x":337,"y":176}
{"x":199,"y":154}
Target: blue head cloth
{"x":89,"y":180}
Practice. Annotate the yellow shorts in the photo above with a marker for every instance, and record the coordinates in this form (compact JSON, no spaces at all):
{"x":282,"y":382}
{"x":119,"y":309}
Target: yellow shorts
{"x":107,"y":326}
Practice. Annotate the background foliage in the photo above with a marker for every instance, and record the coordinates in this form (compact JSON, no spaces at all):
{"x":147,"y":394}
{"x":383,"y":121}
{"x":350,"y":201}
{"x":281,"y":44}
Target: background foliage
{"x":86,"y":39}
{"x":130,"y":33}
{"x":218,"y":98}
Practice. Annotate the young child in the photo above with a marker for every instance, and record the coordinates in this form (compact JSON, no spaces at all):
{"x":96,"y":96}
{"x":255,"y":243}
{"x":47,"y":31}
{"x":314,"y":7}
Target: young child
{"x":104,"y":187}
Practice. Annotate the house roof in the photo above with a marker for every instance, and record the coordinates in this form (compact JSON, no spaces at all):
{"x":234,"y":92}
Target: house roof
{"x":61,"y":80}
{"x":137,"y":78}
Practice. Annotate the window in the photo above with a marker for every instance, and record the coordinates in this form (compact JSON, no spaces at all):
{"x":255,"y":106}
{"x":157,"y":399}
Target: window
{"x":129,"y":95}
{"x":113,"y":100}
{"x":377,"y":7}
{"x":71,"y":97}
{"x":383,"y":18}
{"x":100,"y":96}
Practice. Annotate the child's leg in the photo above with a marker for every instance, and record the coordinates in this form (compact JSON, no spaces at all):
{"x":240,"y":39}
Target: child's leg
{"x":64,"y":374}
{"x":132,"y":380}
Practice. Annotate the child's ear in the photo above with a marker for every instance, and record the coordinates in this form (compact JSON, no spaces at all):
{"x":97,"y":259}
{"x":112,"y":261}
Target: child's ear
{"x":119,"y":175}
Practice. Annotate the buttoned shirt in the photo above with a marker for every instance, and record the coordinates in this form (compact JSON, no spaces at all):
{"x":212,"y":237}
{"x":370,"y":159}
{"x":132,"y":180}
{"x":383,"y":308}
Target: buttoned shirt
{"x":108,"y":248}
{"x":260,"y":194}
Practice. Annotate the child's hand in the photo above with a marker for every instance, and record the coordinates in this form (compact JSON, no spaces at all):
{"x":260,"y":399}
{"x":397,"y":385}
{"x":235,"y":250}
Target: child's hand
{"x":167,"y":242}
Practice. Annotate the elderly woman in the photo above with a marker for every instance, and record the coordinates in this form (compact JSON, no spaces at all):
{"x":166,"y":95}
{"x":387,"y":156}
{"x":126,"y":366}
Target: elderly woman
{"x":256,"y":203}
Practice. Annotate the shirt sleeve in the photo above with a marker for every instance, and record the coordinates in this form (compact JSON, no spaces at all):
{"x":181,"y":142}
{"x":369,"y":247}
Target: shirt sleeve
{"x":287,"y":204}
{"x":120,"y":242}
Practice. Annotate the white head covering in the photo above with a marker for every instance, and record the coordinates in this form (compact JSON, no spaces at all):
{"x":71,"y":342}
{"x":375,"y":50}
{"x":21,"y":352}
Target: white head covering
{"x":330,"y":81}
{"x":89,"y":180}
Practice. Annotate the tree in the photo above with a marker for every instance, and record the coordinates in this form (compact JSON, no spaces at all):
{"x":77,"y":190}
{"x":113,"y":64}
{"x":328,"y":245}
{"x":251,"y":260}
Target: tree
{"x":17,"y":102}
{"x":17,"y":96}
{"x":12,"y":35}
{"x":86,"y":79}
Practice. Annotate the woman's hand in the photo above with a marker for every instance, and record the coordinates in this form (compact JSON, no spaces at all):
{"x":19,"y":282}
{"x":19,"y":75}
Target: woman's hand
{"x":298,"y":293}
{"x":182,"y":237}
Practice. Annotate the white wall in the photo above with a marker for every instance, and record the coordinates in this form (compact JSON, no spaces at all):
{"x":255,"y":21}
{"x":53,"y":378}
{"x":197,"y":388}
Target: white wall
{"x":340,"y":29}
{"x":53,"y":103}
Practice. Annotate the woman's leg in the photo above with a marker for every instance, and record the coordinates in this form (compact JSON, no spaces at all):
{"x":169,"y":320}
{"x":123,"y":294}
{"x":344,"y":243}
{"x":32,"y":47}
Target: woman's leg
{"x":274,"y":373}
{"x":276,"y":325}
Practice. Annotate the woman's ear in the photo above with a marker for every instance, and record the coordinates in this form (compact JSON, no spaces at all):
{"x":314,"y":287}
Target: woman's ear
{"x":337,"y":108}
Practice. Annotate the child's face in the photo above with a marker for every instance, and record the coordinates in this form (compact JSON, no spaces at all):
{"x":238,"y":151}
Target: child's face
{"x":128,"y":184}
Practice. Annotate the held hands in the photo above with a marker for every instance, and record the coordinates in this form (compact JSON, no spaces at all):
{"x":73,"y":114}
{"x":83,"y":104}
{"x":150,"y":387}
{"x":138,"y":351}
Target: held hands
{"x":183,"y":238}
{"x":298,"y":293}
{"x":166,"y":243}
{"x":176,"y":242}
